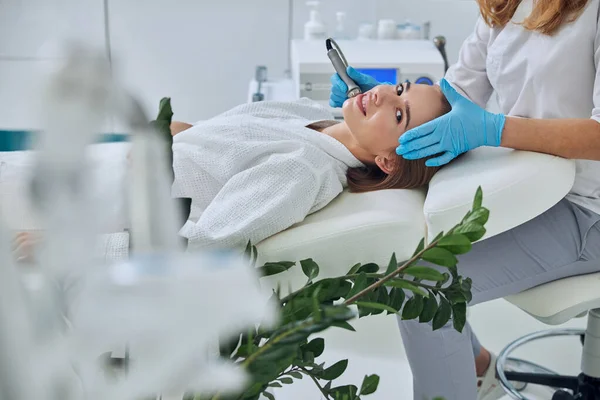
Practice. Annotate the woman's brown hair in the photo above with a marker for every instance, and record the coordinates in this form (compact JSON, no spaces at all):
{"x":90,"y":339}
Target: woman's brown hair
{"x":408,"y":174}
{"x":547,"y":15}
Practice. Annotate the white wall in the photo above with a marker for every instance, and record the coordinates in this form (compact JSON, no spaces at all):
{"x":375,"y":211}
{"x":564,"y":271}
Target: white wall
{"x":201,"y":53}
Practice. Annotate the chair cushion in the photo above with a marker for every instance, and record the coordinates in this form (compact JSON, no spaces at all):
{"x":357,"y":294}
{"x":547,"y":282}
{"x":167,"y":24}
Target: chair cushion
{"x":517,"y":186}
{"x":557,"y":302}
{"x":365,"y":227}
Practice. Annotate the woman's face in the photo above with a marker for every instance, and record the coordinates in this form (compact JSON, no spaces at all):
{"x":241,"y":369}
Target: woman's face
{"x":380,"y":116}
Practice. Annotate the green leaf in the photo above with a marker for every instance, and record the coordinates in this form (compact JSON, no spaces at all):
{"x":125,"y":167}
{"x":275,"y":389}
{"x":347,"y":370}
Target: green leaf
{"x":437,"y":237}
{"x":429,"y":309}
{"x":403,"y":284}
{"x":413,"y":307}
{"x":347,"y":392}
{"x":254,"y":255}
{"x":354,"y":269}
{"x":253,"y":392}
{"x":392,"y":265}
{"x":316,"y":346}
{"x":369,"y":385}
{"x":335,"y":371}
{"x":359,"y":284}
{"x":295,"y":374}
{"x":331,"y":289}
{"x":396,"y":299}
{"x":226,"y":347}
{"x":286,"y":380}
{"x":344,"y":325}
{"x":420,"y":247}
{"x":471,"y":230}
{"x":375,"y":306}
{"x":443,"y":314}
{"x":165,"y":111}
{"x":455,"y":296}
{"x":440,"y":256}
{"x":275,"y":268}
{"x":370,"y":268}
{"x":383,"y":297}
{"x":268,"y":395}
{"x":296,"y":309}
{"x":425,"y":273}
{"x":459,"y":316}
{"x":466,"y":284}
{"x":339,"y":312}
{"x":275,"y":385}
{"x":316,"y":305}
{"x":310,"y":269}
{"x":479,"y":216}
{"x":456,"y":243}
{"x":248,"y":251}
{"x":478,"y":199}
{"x":465,"y":288}
{"x":308,"y":357}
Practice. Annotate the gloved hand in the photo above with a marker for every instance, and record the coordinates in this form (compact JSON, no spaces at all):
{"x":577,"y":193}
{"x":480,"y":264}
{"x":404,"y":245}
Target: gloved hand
{"x":466,"y":127}
{"x":339,"y":89}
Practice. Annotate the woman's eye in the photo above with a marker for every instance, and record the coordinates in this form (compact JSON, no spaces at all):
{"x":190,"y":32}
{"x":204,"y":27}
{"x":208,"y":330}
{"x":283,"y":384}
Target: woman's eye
{"x":399,"y":116}
{"x":400,"y":89}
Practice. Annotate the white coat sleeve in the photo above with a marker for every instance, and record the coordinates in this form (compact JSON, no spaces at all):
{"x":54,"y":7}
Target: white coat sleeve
{"x":258,"y":203}
{"x":469,"y":75}
{"x":596,"y":109}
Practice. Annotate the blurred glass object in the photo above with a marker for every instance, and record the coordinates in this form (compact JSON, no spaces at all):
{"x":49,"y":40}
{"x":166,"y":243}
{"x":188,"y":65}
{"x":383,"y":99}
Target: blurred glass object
{"x":59,"y":315}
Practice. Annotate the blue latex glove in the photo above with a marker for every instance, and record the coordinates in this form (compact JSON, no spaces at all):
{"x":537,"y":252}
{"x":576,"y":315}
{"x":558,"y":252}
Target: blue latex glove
{"x":339,"y":89}
{"x":466,"y":127}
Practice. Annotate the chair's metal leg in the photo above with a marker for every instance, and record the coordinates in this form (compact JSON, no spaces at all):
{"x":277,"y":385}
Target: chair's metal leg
{"x":550,"y":380}
{"x":590,"y":361}
{"x":503,"y":358}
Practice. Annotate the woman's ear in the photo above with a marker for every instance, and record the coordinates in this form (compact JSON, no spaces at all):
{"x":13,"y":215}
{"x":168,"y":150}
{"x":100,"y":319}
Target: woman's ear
{"x":386,"y":164}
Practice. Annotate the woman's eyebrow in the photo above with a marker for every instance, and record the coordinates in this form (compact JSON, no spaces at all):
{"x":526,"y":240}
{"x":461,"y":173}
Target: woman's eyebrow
{"x":407,"y":107}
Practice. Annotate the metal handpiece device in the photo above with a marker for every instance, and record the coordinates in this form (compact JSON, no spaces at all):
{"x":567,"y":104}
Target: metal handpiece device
{"x":340,"y":64}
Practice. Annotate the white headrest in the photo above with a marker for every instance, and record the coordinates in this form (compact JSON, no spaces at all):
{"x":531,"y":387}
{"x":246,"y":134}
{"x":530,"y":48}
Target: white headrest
{"x":517,"y":186}
{"x":365,"y":227}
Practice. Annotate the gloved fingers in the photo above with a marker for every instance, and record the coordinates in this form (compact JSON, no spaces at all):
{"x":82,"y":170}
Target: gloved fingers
{"x":420,"y":131}
{"x":423,"y":152}
{"x":416,"y":144}
{"x":356,"y":76}
{"x":336,"y":100}
{"x":366,"y":82}
{"x":451,"y":94}
{"x":338,"y":84}
{"x":440,"y":160}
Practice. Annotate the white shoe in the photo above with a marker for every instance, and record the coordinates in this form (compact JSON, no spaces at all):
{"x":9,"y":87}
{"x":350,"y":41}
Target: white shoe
{"x":488,"y":386}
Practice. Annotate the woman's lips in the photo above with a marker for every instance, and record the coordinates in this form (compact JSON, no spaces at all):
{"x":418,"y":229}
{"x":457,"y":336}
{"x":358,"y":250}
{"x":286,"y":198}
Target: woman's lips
{"x":361,"y":101}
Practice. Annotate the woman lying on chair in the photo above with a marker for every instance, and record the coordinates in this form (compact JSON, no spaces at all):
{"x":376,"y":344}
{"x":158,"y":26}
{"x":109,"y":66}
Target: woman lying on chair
{"x":259,"y":168}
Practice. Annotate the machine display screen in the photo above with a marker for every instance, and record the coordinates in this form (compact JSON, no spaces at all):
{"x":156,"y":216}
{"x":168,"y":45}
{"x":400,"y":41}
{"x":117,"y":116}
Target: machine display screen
{"x":381,"y":74}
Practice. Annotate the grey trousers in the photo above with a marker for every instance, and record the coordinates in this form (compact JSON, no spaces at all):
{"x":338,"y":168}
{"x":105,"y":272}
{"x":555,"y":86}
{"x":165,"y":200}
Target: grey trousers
{"x":563,"y":242}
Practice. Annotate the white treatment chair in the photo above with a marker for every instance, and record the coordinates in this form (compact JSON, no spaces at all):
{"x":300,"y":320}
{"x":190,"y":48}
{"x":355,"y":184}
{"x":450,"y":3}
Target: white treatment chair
{"x":517,"y":186}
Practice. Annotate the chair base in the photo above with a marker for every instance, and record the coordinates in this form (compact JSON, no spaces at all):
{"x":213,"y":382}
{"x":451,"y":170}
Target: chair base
{"x":580,"y":387}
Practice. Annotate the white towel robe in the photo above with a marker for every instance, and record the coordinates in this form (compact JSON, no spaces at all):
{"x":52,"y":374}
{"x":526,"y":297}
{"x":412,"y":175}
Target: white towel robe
{"x":252,"y":172}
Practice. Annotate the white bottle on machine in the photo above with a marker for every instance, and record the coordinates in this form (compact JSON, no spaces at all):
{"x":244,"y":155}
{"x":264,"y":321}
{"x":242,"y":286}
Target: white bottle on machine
{"x":314,"y":29}
{"x":340,"y":28}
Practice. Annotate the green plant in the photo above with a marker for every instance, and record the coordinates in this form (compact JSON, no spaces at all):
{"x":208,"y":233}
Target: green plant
{"x":275,"y":357}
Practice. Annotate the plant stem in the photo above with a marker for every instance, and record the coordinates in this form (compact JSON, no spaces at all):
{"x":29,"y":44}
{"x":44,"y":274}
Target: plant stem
{"x":316,"y":382}
{"x":274,"y":341}
{"x":390,"y":276}
{"x":372,"y":275}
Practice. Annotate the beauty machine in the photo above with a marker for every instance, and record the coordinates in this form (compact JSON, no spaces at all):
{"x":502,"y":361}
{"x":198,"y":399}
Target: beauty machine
{"x":392,"y":61}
